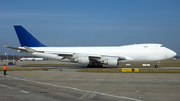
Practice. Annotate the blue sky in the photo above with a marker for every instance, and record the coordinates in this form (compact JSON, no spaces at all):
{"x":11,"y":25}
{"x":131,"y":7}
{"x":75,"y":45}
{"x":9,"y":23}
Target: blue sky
{"x":92,"y":22}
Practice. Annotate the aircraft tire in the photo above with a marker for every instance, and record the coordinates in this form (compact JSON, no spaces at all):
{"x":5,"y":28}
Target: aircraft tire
{"x":156,"y":66}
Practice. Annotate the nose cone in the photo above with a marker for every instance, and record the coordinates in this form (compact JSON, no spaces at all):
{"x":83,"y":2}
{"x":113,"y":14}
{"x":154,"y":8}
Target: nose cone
{"x":174,"y":53}
{"x":171,"y":53}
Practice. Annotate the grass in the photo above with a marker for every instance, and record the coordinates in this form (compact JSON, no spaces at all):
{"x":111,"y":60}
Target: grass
{"x":166,"y":63}
{"x":119,"y":70}
{"x":101,"y":70}
{"x":43,"y":65}
{"x":159,"y":70}
{"x":25,"y":69}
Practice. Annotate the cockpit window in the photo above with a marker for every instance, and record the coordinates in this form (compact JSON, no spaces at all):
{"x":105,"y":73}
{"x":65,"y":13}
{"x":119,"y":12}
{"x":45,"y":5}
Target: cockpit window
{"x":162,"y":46}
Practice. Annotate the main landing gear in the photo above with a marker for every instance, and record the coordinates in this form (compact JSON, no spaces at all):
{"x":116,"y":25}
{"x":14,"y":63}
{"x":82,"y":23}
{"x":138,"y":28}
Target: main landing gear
{"x":94,"y":63}
{"x":90,"y":65}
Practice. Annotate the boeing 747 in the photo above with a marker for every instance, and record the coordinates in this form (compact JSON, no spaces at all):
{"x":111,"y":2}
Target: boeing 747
{"x":92,"y":56}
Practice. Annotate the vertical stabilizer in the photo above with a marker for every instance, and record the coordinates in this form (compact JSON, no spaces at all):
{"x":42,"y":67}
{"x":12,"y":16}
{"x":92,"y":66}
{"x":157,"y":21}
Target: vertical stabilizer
{"x":26,"y":38}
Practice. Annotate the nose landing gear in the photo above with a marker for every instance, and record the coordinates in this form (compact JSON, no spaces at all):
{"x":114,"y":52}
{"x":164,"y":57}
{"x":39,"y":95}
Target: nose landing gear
{"x":156,"y":66}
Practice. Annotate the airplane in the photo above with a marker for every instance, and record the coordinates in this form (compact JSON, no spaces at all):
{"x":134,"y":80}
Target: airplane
{"x":92,"y":56}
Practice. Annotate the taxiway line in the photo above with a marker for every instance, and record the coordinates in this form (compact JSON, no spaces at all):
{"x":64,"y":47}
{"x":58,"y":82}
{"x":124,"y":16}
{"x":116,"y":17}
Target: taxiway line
{"x":100,"y":93}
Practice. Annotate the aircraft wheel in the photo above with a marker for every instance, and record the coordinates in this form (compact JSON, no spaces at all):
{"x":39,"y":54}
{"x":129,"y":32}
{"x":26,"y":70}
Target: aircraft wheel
{"x":156,"y":66}
{"x":89,"y":65}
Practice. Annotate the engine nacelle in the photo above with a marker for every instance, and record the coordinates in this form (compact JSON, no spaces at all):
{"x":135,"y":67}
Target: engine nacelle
{"x":82,"y":60}
{"x":111,"y":61}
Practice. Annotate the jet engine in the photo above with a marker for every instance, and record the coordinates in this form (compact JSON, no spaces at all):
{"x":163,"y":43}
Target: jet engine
{"x":82,"y":60}
{"x":111,"y":61}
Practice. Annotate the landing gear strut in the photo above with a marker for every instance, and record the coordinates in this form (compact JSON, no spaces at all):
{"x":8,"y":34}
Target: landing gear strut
{"x":156,"y":66}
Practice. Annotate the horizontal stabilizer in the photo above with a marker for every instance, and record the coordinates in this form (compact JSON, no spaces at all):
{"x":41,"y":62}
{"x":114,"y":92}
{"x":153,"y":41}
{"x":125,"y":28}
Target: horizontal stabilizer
{"x":26,"y":49}
{"x":15,"y":48}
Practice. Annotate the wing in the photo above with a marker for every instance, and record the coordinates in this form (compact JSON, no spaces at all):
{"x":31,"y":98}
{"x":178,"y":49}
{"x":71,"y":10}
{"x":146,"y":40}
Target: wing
{"x":82,"y":58}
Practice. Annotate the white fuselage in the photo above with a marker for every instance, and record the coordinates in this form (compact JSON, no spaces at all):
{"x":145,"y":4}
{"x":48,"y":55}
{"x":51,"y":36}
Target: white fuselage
{"x":132,"y":53}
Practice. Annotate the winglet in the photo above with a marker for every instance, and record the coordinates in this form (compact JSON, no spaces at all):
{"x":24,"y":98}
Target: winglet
{"x":26,"y":38}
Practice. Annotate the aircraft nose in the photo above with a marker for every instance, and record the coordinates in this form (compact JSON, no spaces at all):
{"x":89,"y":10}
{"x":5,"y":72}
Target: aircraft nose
{"x":172,"y":53}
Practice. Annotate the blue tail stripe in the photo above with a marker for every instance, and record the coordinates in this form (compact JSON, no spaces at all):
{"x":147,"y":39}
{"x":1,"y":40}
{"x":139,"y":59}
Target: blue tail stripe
{"x":26,"y":38}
